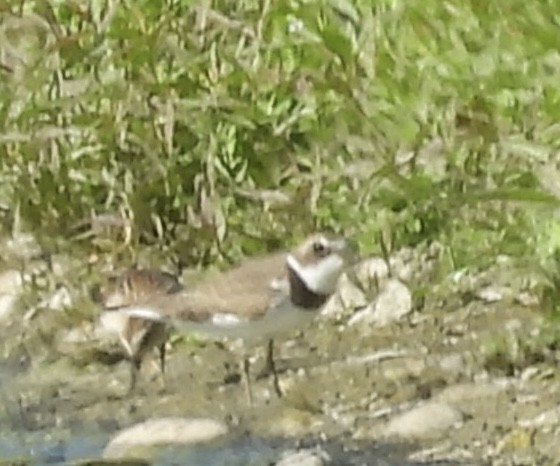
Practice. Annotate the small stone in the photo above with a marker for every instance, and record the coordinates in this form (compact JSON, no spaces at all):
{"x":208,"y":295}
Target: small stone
{"x":401,"y":368}
{"x":373,"y":269}
{"x":518,"y":439}
{"x":303,"y":458}
{"x":347,"y":298}
{"x":11,"y":282}
{"x":59,"y":300}
{"x":452,"y":363}
{"x":544,"y":419}
{"x":22,"y":246}
{"x":8,"y":304}
{"x":136,"y":441}
{"x":491,"y":294}
{"x":527,"y":299}
{"x":109,"y":462}
{"x":393,"y":302}
{"x":11,"y":286}
{"x":428,"y":420}
{"x":470,"y":391}
{"x":529,"y":373}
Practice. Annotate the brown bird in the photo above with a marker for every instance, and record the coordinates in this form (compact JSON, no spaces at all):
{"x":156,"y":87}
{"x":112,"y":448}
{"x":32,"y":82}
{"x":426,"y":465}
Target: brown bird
{"x":138,"y":336}
{"x":258,"y":300}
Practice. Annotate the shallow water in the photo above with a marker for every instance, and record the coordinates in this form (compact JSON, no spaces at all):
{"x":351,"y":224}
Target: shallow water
{"x":40,"y":448}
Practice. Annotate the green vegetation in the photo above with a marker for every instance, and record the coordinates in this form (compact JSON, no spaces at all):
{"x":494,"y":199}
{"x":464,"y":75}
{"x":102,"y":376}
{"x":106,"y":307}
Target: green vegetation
{"x":209,"y":130}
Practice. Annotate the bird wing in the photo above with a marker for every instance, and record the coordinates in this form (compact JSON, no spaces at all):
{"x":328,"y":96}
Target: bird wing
{"x":246,"y":292}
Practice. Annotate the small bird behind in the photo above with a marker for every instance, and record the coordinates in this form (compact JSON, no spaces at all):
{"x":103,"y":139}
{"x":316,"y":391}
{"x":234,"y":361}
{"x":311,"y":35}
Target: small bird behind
{"x":260,"y":299}
{"x":138,"y":336}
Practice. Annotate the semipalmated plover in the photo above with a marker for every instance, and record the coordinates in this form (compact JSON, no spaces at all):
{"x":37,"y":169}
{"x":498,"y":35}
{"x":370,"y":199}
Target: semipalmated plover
{"x":137,"y":335}
{"x":258,"y":300}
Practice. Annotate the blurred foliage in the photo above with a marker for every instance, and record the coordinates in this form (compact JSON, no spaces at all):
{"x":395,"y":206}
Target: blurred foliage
{"x":212,"y":129}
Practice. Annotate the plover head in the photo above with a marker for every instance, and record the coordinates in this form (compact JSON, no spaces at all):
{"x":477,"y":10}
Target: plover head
{"x":319,"y":261}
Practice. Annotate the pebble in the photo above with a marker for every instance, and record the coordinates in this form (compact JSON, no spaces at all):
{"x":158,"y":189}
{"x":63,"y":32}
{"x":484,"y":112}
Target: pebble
{"x":470,"y":391}
{"x":431,"y":419}
{"x":303,"y":458}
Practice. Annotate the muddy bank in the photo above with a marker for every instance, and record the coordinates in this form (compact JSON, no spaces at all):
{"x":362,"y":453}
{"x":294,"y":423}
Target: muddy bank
{"x":454,"y":381}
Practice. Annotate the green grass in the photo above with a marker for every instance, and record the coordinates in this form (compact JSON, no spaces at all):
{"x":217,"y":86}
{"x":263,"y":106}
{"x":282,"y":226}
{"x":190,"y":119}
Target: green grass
{"x":213,"y":130}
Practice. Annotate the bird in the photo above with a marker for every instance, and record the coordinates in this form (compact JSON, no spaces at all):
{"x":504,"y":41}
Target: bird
{"x":258,"y":300}
{"x":137,"y":336}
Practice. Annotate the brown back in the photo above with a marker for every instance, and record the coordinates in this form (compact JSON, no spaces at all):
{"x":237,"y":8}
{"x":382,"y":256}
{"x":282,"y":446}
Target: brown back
{"x":136,"y":285}
{"x":246,"y":290}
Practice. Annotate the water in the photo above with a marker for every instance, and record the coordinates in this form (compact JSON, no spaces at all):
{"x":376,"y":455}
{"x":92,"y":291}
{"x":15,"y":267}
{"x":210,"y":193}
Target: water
{"x":40,"y":448}
{"x":32,"y":434}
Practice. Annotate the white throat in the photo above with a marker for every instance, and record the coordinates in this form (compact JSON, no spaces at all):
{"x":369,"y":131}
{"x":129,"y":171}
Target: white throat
{"x":321,"y":277}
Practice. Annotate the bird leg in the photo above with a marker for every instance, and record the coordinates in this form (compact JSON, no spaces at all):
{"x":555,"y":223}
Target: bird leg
{"x":135,"y":364}
{"x":270,"y":368}
{"x":247,"y":380}
{"x":161,"y":350}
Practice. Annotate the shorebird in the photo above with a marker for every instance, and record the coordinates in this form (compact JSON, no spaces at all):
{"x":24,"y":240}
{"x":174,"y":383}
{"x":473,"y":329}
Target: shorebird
{"x":138,"y":336}
{"x":258,"y":300}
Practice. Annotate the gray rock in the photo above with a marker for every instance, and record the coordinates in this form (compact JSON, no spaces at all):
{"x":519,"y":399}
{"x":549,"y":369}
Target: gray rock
{"x":22,"y":246}
{"x":393,"y":302}
{"x":428,"y":420}
{"x":453,"y":363}
{"x":11,"y":286}
{"x":493,"y":294}
{"x":372,"y":269}
{"x":470,"y":391}
{"x":136,"y":441}
{"x":304,"y":458}
{"x":8,"y":303}
{"x":347,"y":298}
{"x":11,"y":281}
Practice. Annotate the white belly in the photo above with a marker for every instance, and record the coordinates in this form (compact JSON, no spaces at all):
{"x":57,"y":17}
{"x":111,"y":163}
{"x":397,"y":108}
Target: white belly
{"x":282,"y":319}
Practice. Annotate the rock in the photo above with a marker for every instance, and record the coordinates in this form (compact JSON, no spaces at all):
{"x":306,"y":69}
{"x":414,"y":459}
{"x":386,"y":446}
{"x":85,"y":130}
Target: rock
{"x":59,"y":299}
{"x":8,"y":303}
{"x":470,"y":391}
{"x":452,"y":363}
{"x":493,"y":294}
{"x":428,"y":420}
{"x":376,"y":270}
{"x":549,"y":418}
{"x":431,"y":159}
{"x":402,"y":368}
{"x":22,"y":246}
{"x":108,"y":462}
{"x":527,"y":299}
{"x":137,"y":440}
{"x":11,"y":286}
{"x":303,"y":458}
{"x":393,"y":302}
{"x":11,"y":281}
{"x":370,"y":270}
{"x":348,"y":298}
{"x":517,"y":439}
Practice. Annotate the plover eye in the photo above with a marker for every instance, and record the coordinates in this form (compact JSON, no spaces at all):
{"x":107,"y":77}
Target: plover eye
{"x":320,"y":248}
